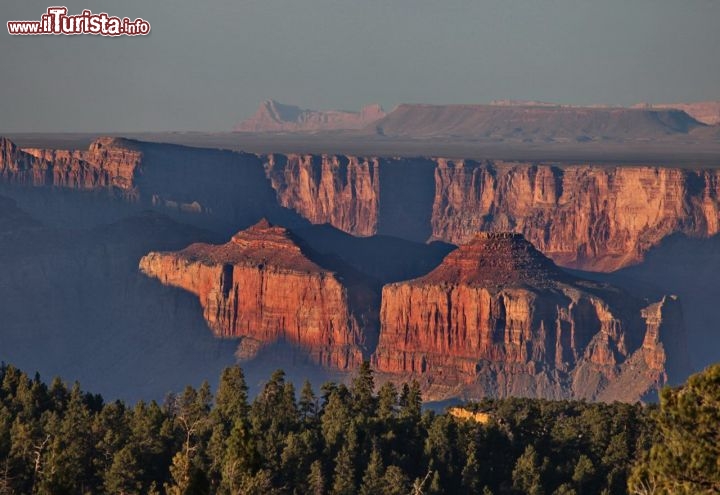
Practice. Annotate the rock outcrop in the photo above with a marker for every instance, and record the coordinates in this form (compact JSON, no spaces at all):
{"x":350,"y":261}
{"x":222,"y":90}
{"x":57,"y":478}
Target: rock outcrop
{"x":339,"y":190}
{"x":497,"y":318}
{"x":261,"y":287}
{"x":273,"y":116}
{"x":591,"y":217}
{"x":588,"y":216}
{"x":108,"y":163}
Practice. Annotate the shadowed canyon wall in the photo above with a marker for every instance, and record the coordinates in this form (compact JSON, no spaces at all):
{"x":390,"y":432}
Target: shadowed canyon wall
{"x":588,"y":216}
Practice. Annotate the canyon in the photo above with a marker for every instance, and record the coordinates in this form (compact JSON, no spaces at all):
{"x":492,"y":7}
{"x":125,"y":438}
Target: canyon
{"x":495,"y":318}
{"x":349,"y":263}
{"x":589,"y":216}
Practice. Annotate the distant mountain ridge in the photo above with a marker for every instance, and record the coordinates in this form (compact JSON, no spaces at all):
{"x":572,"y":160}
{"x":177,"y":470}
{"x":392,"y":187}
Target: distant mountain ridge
{"x":273,"y":116}
{"x":515,"y":120}
{"x":531,"y":122}
{"x":707,"y":112}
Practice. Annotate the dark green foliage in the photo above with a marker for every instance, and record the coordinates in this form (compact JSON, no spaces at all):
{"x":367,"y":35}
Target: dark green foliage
{"x":686,"y":457}
{"x":350,"y":440}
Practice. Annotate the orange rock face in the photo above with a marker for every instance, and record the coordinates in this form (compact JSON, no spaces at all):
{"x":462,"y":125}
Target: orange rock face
{"x":104,"y":165}
{"x":261,"y":287}
{"x":498,"y":318}
{"x":592,"y":217}
{"x":588,"y":216}
{"x":582,"y":216}
{"x":342,"y":191}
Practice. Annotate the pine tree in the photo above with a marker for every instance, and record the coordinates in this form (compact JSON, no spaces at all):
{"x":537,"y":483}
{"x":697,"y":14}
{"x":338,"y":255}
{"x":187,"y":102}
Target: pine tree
{"x":372,"y":482}
{"x":231,"y":400}
{"x":411,"y":401}
{"x":686,"y":459}
{"x":363,"y":389}
{"x":191,"y":412}
{"x":344,"y":479}
{"x":527,"y":476}
{"x":387,"y":401}
{"x":124,"y":476}
{"x":395,"y":481}
{"x":471,"y":482}
{"x":583,"y":474}
{"x":344,"y":482}
{"x":316,"y":479}
{"x":307,"y":404}
{"x":335,"y":420}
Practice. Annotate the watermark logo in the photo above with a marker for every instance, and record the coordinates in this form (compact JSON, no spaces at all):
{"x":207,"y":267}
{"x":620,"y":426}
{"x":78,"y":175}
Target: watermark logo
{"x":57,"y":21}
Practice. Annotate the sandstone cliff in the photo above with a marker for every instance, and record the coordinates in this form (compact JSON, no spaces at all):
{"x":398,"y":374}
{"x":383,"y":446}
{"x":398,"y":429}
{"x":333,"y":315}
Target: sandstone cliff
{"x":582,"y":216}
{"x":498,"y":318}
{"x":273,"y":116}
{"x":342,"y":191}
{"x":590,"y":216}
{"x":262,"y":287}
{"x":108,"y":163}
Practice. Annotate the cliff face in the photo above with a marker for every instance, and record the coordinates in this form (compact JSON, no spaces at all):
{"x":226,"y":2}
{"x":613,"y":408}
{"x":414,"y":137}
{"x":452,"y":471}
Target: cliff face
{"x":342,"y":191}
{"x":498,"y":318}
{"x":273,"y":116}
{"x":583,"y":216}
{"x":592,"y":217}
{"x":261,"y":287}
{"x":106,"y":164}
{"x":588,"y":216}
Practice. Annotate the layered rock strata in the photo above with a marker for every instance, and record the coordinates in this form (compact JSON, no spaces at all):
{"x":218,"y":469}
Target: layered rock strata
{"x":108,"y":163}
{"x":262,"y":288}
{"x":497,"y":318}
{"x":589,"y":216}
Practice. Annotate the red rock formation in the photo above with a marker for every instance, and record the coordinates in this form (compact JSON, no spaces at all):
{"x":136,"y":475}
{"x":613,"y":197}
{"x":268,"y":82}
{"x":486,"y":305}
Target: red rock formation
{"x":585,"y":216}
{"x":342,"y":191}
{"x":272,"y":116}
{"x":260,"y":286}
{"x":588,"y":216}
{"x":498,"y":318}
{"x":108,"y":163}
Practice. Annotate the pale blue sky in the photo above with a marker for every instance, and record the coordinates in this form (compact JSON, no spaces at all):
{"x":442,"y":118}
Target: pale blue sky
{"x":207,"y":64}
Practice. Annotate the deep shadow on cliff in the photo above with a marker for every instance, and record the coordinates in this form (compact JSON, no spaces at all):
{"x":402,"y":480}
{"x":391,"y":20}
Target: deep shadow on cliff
{"x":75,"y":306}
{"x":688,"y":268}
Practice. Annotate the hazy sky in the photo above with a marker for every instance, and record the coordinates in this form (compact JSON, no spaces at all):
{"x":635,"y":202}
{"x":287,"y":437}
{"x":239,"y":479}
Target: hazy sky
{"x":208,"y":63}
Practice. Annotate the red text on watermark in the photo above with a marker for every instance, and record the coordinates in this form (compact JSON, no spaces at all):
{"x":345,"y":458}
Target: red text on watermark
{"x":57,"y":21}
